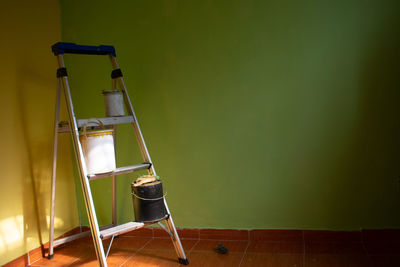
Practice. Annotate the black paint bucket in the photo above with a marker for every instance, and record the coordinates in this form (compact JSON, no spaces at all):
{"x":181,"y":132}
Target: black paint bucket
{"x":148,"y":201}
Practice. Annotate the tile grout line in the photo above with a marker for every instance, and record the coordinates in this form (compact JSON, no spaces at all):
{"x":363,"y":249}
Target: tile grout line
{"x":304,"y":249}
{"x":244,"y":253}
{"x":195,"y":244}
{"x":136,"y":252}
{"x":187,"y":254}
{"x":190,"y":250}
{"x":205,"y":239}
{"x":42,"y":257}
{"x":151,"y":238}
{"x":365,"y":249}
{"x":77,"y":259}
{"x":30,"y":263}
{"x":41,"y":250}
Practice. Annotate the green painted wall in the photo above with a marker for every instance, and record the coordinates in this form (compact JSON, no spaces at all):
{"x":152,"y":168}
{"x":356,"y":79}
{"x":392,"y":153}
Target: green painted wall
{"x":257,"y":114}
{"x":28,"y":93}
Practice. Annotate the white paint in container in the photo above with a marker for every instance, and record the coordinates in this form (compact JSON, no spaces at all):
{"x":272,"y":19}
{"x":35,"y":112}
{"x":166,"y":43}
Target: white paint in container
{"x":98,"y":150}
{"x":114,"y":102}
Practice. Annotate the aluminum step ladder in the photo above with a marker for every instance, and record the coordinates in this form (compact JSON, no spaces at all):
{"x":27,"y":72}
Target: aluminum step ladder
{"x":73,"y":126}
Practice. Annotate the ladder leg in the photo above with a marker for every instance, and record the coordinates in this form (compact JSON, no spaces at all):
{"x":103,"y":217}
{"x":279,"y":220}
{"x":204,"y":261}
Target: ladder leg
{"x":175,"y":238}
{"x":114,"y":200}
{"x":94,"y":226}
{"x":114,"y":184}
{"x":54,"y":172}
{"x":87,"y":194}
{"x":146,"y":157}
{"x":135,"y":124}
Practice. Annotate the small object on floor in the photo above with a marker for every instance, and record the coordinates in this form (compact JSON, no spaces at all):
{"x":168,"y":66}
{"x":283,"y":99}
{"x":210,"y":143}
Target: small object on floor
{"x":221,"y":249}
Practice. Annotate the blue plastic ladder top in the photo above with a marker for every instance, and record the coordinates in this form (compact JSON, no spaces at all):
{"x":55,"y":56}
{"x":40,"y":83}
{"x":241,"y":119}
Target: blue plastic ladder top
{"x":72,"y":48}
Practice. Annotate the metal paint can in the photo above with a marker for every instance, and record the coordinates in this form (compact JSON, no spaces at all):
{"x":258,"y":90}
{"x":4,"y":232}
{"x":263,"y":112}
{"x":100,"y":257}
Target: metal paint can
{"x":148,"y":202}
{"x":114,"y":102}
{"x":98,"y":150}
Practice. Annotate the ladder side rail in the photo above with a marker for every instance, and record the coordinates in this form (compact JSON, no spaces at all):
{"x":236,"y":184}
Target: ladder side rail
{"x":146,"y":157}
{"x":138,"y":133}
{"x":54,"y":171}
{"x":82,"y":170}
{"x":114,"y":178}
{"x":114,"y":182}
{"x":175,"y":239}
{"x":73,"y":237}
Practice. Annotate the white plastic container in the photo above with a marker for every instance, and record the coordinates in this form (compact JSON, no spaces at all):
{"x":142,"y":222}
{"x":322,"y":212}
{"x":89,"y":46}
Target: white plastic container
{"x":114,"y":102}
{"x":98,"y":149}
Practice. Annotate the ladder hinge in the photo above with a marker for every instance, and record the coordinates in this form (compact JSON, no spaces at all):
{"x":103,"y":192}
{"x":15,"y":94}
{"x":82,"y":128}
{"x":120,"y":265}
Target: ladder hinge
{"x":116,"y":73}
{"x":61,"y":72}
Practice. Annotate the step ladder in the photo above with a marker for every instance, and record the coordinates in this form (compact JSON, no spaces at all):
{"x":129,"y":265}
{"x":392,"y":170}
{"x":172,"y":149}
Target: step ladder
{"x":73,"y":126}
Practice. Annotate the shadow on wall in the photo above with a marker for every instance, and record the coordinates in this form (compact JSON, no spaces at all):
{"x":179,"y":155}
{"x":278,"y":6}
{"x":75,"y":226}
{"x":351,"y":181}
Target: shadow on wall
{"x":36,"y":101}
{"x":366,"y":167}
{"x":34,"y":117}
{"x":376,"y":144}
{"x":33,"y":92}
{"x":24,"y":231}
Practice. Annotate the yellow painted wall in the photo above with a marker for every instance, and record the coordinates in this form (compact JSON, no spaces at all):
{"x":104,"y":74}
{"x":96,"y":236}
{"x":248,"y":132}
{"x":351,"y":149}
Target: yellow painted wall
{"x":28,"y":86}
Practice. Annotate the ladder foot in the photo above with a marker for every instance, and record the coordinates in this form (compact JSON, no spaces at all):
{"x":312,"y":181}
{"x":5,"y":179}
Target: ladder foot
{"x":183,"y":261}
{"x":50,"y":256}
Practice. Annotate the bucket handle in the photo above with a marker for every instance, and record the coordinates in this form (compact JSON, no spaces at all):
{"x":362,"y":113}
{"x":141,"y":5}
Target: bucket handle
{"x":149,"y":199}
{"x":89,"y":120}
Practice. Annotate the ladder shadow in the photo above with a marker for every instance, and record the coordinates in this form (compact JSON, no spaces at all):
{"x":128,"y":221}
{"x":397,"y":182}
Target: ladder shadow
{"x":33,"y":212}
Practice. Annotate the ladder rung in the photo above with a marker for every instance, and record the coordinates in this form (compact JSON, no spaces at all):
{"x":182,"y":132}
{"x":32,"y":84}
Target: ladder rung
{"x":120,"y":229}
{"x":70,"y":238}
{"x":77,"y":236}
{"x":121,"y":170}
{"x":63,"y":127}
{"x":106,"y":121}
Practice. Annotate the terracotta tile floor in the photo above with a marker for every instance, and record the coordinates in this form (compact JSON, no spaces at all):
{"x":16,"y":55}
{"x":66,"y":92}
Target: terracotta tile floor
{"x":151,"y":252}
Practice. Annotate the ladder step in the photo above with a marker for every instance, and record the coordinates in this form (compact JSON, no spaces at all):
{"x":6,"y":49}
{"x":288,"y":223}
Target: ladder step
{"x":63,"y":127}
{"x":121,"y":170}
{"x":120,"y":229}
{"x":70,"y":238}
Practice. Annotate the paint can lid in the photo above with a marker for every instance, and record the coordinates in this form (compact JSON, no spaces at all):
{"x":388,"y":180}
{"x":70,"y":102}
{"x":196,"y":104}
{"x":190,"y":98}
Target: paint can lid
{"x":114,"y":91}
